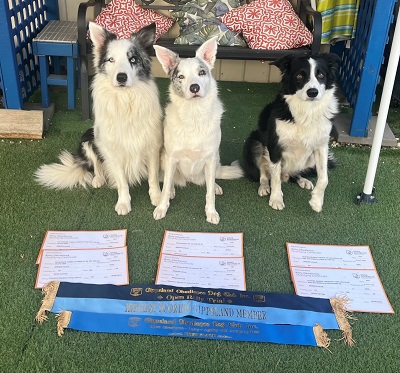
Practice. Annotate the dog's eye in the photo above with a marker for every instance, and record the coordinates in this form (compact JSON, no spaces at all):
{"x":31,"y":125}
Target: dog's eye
{"x":299,"y":76}
{"x":202,"y":72}
{"x":320,"y":75}
{"x":181,"y":77}
{"x":110,"y":60}
{"x":132,"y":60}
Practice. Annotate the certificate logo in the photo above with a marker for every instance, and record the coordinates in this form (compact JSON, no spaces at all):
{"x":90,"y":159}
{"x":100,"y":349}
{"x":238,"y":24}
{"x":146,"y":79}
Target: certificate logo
{"x":134,"y":322}
{"x":136,"y":292}
{"x":259,"y":298}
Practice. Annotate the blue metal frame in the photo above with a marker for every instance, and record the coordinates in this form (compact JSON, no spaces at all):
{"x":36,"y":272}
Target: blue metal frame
{"x":361,"y":63}
{"x":19,"y":69}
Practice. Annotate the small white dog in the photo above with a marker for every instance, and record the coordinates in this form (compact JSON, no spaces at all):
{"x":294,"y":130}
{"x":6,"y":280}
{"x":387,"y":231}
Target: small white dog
{"x":192,"y":132}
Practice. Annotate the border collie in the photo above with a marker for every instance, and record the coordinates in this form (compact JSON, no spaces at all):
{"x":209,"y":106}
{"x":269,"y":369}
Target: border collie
{"x":293,"y":131}
{"x":123,"y":147}
{"x":192,"y":132}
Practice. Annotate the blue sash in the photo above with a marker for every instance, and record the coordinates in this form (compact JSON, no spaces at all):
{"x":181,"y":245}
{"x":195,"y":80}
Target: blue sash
{"x":192,"y":328}
{"x":216,"y":304}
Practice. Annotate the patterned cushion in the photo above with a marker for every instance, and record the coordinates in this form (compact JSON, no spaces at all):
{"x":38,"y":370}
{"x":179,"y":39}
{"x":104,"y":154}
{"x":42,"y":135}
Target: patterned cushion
{"x":268,"y":24}
{"x":198,"y":21}
{"x":123,"y":17}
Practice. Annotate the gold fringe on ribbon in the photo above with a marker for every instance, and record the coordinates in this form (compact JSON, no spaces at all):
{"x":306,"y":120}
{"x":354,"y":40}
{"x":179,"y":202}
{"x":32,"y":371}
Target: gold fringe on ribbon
{"x":50,"y":292}
{"x":63,"y":321}
{"x":343,"y":317}
{"x":321,"y":337}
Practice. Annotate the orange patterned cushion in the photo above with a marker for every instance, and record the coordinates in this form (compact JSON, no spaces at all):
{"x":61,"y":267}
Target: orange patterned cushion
{"x":123,"y":17}
{"x":268,"y":24}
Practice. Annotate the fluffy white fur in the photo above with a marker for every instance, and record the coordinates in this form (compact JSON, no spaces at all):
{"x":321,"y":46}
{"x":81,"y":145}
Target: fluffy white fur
{"x":192,"y":132}
{"x":127,"y":130}
{"x":131,"y":154}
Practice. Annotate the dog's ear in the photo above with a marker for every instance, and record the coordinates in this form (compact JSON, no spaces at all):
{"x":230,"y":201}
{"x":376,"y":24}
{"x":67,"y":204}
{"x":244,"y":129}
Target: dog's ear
{"x":99,"y":35}
{"x":167,"y":58}
{"x":208,"y":51}
{"x":146,"y":36}
{"x":332,"y":60}
{"x":283,"y":63}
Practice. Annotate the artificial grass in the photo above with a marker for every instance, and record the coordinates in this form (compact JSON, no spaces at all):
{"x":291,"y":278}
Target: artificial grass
{"x":28,"y":210}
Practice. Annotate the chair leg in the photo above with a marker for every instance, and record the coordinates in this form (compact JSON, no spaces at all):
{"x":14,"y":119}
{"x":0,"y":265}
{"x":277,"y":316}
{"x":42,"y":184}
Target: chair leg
{"x":71,"y":82}
{"x":44,"y":73}
{"x":85,"y":89}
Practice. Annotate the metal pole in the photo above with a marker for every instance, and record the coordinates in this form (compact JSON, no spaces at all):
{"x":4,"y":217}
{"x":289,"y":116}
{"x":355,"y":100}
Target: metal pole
{"x":367,"y":194}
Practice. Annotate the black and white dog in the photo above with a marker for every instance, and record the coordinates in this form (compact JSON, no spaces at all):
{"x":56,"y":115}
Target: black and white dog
{"x":293,"y":131}
{"x":123,"y":147}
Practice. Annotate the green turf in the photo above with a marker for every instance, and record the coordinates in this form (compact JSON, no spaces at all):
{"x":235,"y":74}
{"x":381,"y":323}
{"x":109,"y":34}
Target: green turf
{"x":28,"y":210}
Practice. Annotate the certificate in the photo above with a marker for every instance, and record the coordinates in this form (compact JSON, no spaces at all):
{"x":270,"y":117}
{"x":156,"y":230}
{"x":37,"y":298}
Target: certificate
{"x":198,"y":259}
{"x":329,"y":271}
{"x":222,"y":273}
{"x":61,"y":240}
{"x":90,"y":266}
{"x":202,"y":244}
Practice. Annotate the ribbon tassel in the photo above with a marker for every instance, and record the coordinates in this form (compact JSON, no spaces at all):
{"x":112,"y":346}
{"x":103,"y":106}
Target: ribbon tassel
{"x":50,"y":293}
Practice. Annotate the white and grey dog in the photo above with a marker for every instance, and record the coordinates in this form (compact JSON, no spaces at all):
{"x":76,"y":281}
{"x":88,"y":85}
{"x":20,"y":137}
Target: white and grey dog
{"x":123,"y":147}
{"x":192,"y":132}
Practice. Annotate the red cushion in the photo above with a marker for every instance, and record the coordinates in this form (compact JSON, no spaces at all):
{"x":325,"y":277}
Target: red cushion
{"x":123,"y":17}
{"x":268,"y":24}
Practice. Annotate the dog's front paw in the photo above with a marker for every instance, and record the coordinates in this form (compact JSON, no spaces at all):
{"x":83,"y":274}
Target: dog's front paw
{"x":316,"y":204}
{"x":317,"y":200}
{"x":263,"y":190}
{"x":160,"y":212}
{"x":276,"y":203}
{"x":98,"y":181}
{"x":213,"y":217}
{"x":123,"y":208}
{"x":305,"y":183}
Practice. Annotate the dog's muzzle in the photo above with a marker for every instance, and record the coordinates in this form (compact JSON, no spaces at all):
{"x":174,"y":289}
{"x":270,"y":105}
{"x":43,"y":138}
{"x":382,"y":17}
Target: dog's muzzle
{"x":194,"y":88}
{"x":122,"y":78}
{"x":312,"y":92}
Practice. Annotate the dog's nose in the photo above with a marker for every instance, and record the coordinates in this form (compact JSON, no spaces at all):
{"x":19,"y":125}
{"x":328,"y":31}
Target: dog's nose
{"x":312,"y":92}
{"x":122,"y":78}
{"x":194,"y":88}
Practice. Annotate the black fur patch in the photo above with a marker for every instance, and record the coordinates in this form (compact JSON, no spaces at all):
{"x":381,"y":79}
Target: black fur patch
{"x":80,"y":155}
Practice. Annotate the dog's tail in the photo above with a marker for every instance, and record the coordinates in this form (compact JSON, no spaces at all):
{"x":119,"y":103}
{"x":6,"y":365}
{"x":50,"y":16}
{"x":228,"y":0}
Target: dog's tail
{"x":252,"y":150}
{"x":234,"y":171}
{"x":65,"y":175}
{"x":332,"y":161}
